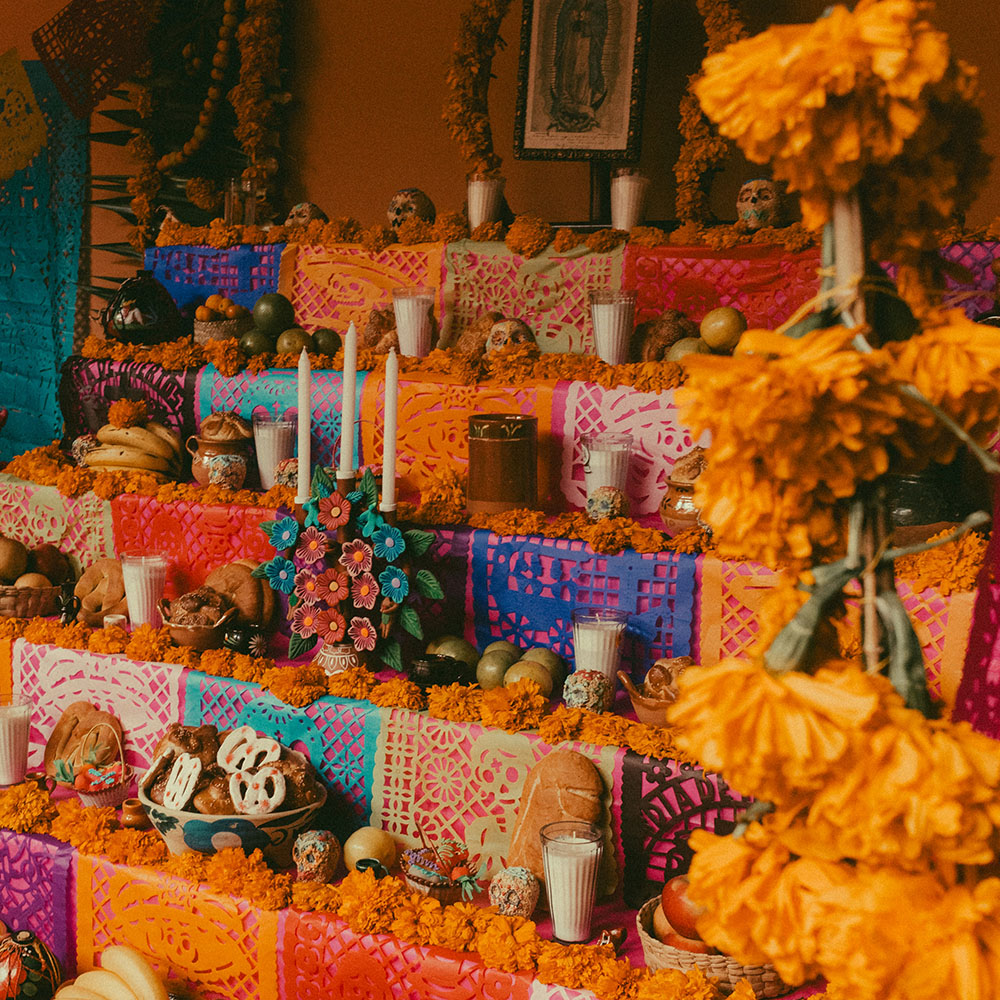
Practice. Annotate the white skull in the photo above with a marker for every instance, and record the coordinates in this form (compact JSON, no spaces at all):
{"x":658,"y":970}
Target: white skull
{"x":508,"y":331}
{"x":303,"y":213}
{"x":758,"y":204}
{"x":407,"y":202}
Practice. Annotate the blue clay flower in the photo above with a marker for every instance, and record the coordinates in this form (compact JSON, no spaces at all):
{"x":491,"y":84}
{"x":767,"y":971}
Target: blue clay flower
{"x":281,"y":574}
{"x":394,"y":583}
{"x":389,"y":543}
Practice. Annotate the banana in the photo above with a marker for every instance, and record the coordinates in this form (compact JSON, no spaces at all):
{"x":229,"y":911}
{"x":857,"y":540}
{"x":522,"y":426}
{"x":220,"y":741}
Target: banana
{"x":166,"y":434}
{"x":106,"y":985}
{"x":127,"y":456}
{"x":132,"y":967}
{"x":136,"y":437}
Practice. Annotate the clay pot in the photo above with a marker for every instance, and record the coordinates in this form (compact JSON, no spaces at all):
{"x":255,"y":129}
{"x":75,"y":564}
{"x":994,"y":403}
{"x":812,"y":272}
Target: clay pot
{"x":677,"y":508}
{"x":336,"y":657}
{"x":221,"y":463}
{"x":503,"y":456}
{"x":134,"y":816}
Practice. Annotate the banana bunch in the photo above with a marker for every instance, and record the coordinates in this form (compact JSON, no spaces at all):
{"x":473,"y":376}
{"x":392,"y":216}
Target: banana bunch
{"x":154,"y":449}
{"x":125,"y":974}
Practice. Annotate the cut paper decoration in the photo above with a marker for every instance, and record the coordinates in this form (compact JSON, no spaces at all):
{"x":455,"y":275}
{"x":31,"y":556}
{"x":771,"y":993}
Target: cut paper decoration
{"x":22,"y":127}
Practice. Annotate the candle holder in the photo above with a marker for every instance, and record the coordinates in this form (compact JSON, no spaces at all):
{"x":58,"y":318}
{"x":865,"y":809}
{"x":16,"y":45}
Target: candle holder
{"x":503,"y":462}
{"x":628,"y":198}
{"x":612,"y":313}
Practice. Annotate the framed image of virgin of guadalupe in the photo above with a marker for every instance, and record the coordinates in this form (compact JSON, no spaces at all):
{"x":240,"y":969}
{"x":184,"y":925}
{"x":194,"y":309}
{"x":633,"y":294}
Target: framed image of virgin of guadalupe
{"x":580,"y":79}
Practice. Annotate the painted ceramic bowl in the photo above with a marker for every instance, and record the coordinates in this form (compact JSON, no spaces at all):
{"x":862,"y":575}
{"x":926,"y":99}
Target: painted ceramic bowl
{"x":274,"y":833}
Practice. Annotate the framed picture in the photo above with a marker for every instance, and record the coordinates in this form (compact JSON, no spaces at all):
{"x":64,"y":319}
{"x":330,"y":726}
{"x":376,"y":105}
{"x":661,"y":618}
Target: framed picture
{"x":580,"y":79}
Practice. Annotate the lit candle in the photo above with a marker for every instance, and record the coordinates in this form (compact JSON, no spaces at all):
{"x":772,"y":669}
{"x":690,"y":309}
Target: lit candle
{"x":305,"y":429}
{"x":347,"y":409}
{"x":389,"y":438}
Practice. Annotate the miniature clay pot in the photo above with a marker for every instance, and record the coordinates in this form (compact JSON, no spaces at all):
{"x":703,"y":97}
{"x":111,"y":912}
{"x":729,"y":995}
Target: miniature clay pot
{"x":677,"y":508}
{"x":134,"y":816}
{"x":222,"y":463}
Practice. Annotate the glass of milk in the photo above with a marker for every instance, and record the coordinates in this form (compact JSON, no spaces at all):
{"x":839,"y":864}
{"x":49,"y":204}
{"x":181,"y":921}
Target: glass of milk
{"x":571,"y":857}
{"x":413,"y":319}
{"x":628,"y":198}
{"x":274,"y":441}
{"x":612,"y":313}
{"x":145,"y":578}
{"x":485,"y":194}
{"x":597,"y":640}
{"x":605,"y":460}
{"x":15,"y":726}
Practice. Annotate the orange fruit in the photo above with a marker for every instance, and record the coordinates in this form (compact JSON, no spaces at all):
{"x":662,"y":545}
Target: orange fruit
{"x":224,"y":304}
{"x":204,"y":314}
{"x":233,"y":311}
{"x":213,"y":300}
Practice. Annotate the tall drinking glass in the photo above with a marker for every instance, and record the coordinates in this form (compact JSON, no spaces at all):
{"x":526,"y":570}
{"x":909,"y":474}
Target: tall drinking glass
{"x":274,"y":441}
{"x":571,"y":858}
{"x":15,"y":727}
{"x":413,"y":319}
{"x":145,"y":578}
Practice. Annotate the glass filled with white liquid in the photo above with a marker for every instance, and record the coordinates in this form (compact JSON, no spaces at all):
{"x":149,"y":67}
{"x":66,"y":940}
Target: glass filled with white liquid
{"x":571,"y":858}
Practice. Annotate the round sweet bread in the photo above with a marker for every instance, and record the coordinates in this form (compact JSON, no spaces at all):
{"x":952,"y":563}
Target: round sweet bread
{"x":101,"y":590}
{"x":253,"y":597}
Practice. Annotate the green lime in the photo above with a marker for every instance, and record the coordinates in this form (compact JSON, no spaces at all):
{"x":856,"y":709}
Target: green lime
{"x":273,"y":313}
{"x":256,"y":341}
{"x":293,"y":340}
{"x":327,"y":341}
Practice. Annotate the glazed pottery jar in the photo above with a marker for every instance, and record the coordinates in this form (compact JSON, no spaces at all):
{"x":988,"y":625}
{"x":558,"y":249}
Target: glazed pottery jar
{"x":503,"y":456}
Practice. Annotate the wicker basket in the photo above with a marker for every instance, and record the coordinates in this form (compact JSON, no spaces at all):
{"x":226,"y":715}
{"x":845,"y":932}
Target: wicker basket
{"x":763,"y":978}
{"x":116,"y":794}
{"x":221,"y":329}
{"x":28,"y":602}
{"x":443,"y":892}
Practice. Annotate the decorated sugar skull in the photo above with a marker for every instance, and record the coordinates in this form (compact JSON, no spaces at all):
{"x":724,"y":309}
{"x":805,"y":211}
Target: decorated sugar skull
{"x":605,"y":502}
{"x":508,"y":331}
{"x":303,"y":213}
{"x":758,"y":204}
{"x":407,"y":202}
{"x":316,"y":854}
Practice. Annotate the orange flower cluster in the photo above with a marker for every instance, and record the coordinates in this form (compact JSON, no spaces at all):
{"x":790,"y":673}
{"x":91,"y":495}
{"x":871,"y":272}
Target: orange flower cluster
{"x":398,"y":693}
{"x":792,"y":238}
{"x":514,"y":707}
{"x":296,"y":685}
{"x":948,"y":568}
{"x":865,"y":871}
{"x":528,"y":235}
{"x":128,"y":413}
{"x":774,"y":495}
{"x":870,"y":96}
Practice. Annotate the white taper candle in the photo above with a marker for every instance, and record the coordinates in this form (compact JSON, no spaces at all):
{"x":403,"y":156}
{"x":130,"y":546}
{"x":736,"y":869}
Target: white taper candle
{"x":389,"y":438}
{"x":304,"y":479}
{"x":349,"y":397}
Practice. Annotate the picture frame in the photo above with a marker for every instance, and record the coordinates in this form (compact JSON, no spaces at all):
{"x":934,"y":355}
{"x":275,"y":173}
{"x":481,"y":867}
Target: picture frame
{"x":580,"y":81}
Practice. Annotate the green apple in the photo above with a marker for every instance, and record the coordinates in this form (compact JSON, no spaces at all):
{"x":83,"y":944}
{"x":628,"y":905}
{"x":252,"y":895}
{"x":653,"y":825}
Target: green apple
{"x":533,"y":670}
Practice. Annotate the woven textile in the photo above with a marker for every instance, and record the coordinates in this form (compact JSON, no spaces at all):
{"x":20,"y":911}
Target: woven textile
{"x":658,"y":438}
{"x":89,"y":386}
{"x":322,"y":958}
{"x":218,"y":945}
{"x":766,"y":284}
{"x":34,"y":514}
{"x":146,"y":697}
{"x":433,"y":425}
{"x":195,"y":537}
{"x":525,"y":588}
{"x":548,"y":292}
{"x":36,"y":891}
{"x":277,"y":392}
{"x":40,"y":219}
{"x":339,"y":737}
{"x":192,"y":273}
{"x":335,"y":286}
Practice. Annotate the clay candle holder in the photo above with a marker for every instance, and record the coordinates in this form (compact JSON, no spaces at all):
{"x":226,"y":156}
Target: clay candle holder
{"x":503,"y":456}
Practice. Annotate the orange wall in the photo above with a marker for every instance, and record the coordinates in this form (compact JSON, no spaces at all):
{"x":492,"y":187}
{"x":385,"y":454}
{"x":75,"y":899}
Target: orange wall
{"x":368,"y":80}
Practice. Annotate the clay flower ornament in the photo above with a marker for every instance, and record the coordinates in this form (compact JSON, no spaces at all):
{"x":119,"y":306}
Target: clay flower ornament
{"x":332,"y":575}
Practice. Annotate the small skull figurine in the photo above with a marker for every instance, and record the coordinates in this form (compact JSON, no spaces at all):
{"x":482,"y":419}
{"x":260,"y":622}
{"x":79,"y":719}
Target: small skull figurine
{"x":316,"y":854}
{"x":508,"y":331}
{"x":407,"y":202}
{"x":758,"y":204}
{"x":303,"y":213}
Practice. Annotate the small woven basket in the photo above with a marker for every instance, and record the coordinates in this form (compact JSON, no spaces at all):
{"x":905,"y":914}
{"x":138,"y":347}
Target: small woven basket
{"x":763,"y":978}
{"x":28,"y":602}
{"x":116,"y":794}
{"x":443,"y":892}
{"x":221,"y":329}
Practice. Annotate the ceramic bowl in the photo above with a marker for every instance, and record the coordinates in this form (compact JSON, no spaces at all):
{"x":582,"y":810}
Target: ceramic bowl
{"x":274,"y":833}
{"x":198,"y":637}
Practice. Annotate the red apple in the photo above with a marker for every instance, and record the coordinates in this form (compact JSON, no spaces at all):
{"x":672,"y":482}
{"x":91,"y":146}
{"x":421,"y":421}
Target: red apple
{"x":678,"y":908}
{"x":698,"y":946}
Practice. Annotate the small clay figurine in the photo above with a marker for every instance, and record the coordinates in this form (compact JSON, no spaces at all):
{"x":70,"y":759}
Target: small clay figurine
{"x":316,"y":854}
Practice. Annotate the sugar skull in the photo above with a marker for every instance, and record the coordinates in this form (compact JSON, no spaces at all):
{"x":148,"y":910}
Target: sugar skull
{"x":508,"y":331}
{"x":316,"y":854}
{"x":303,"y":213}
{"x":758,"y":204}
{"x":407,"y":202}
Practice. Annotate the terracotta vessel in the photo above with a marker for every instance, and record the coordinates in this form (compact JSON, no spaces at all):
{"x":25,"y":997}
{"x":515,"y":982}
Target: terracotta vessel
{"x":503,"y":457}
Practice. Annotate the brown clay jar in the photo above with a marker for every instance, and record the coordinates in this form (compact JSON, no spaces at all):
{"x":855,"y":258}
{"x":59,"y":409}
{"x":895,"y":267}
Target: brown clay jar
{"x":134,"y":816}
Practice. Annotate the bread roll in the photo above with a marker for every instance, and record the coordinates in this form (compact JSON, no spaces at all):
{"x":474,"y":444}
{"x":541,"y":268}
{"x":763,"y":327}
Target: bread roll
{"x":101,"y":590}
{"x":562,"y":785}
{"x":253,"y":598}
